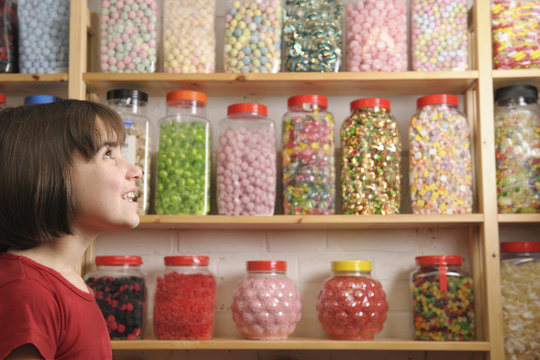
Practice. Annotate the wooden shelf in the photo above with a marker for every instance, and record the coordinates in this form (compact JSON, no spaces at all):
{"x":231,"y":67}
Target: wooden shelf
{"x":31,"y":84}
{"x":503,"y":78}
{"x":519,"y":218}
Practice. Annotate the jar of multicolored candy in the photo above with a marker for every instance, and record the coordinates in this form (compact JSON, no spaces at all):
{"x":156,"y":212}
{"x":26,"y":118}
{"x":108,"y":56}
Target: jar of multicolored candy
{"x":370,"y":159}
{"x":130,"y":104}
{"x":246,"y":161}
{"x":440,"y":159}
{"x":313,"y":36}
{"x":520,"y":287}
{"x":351,"y":304}
{"x":183,"y":157}
{"x":517,"y":149}
{"x":266,"y":304}
{"x":252,"y":36}
{"x":120,"y":292}
{"x":307,"y":153}
{"x":8,"y":33}
{"x":442,"y":299}
{"x":184,"y":299}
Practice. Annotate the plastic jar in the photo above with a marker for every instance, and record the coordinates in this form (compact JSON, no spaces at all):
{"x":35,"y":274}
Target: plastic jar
{"x":442,"y":299}
{"x":377,"y":35}
{"x":266,"y":304}
{"x":40,"y":99}
{"x":440,"y":159}
{"x":439,"y":35}
{"x":43,"y":36}
{"x":370,"y":159}
{"x":517,"y":149}
{"x":183,"y":160}
{"x":2,"y":101}
{"x":189,"y":38}
{"x":351,"y":304}
{"x":184,"y":299}
{"x":309,"y":184}
{"x":119,"y":289}
{"x":129,"y":36}
{"x":246,"y":161}
{"x":8,"y":37}
{"x":312,"y":36}
{"x":252,"y":36}
{"x":520,"y":287}
{"x":130,"y":105}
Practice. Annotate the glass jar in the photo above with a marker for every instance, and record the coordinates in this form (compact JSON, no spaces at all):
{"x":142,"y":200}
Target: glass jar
{"x":439,"y":35}
{"x":130,"y":105}
{"x":440,"y":159}
{"x":129,"y":36}
{"x":183,"y":160}
{"x":307,"y":154}
{"x":516,"y":34}
{"x":266,"y":304}
{"x":377,"y":35}
{"x":189,"y":38}
{"x":40,"y":99}
{"x":442,"y":299}
{"x":43,"y":36}
{"x":517,"y":149}
{"x":184,"y":299}
{"x":120,"y":292}
{"x":351,"y":304}
{"x":520,"y":288}
{"x":370,"y":159}
{"x":246,"y":161}
{"x":2,"y":101}
{"x":252,"y":36}
{"x":8,"y":35}
{"x":312,"y":36}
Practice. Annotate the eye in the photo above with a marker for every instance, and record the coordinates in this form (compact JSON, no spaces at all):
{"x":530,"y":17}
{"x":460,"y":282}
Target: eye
{"x":108,"y":153}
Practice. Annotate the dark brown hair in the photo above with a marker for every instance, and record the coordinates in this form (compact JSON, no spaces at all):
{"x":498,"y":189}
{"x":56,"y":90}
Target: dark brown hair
{"x":37,"y":144}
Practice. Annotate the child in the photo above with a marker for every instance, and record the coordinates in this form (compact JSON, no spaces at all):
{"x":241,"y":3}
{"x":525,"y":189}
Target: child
{"x":63,"y":182}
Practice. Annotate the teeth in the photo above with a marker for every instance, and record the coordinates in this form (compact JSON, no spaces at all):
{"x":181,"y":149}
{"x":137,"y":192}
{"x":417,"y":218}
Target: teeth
{"x":128,"y":196}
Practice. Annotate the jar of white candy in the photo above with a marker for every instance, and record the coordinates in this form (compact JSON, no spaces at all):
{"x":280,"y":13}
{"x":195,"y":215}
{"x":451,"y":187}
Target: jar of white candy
{"x":246,"y":161}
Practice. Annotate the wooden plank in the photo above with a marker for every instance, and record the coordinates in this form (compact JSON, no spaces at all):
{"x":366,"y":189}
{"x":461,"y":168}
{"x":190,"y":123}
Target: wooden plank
{"x":533,"y":219}
{"x":31,"y":84}
{"x":77,"y":48}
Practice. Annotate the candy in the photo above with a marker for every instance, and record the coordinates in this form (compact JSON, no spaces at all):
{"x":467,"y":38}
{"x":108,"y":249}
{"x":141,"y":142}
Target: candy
{"x":8,"y":33}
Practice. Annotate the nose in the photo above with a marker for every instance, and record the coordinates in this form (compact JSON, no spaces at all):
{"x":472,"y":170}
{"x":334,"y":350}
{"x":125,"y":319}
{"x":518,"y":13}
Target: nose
{"x":134,"y":172}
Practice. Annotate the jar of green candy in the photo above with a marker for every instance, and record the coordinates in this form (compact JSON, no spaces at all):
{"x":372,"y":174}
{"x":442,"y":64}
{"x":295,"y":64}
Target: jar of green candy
{"x":370,"y":154}
{"x":130,"y":104}
{"x":183,"y":158}
{"x":442,"y":299}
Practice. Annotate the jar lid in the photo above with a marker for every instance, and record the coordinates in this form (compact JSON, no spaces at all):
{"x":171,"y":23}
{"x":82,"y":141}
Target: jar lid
{"x":127,"y":94}
{"x":186,"y":260}
{"x":527,"y":91}
{"x":370,"y":102}
{"x":307,"y":99}
{"x":247,"y":108}
{"x":186,"y":95}
{"x":520,"y":246}
{"x":351,"y":265}
{"x":40,"y":99}
{"x":261,"y":265}
{"x":438,"y":260}
{"x":437,"y":99}
{"x":118,"y":260}
{"x":2,"y":98}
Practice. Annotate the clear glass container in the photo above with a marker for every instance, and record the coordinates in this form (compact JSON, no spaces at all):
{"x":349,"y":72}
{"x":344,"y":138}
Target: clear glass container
{"x":442,"y":299}
{"x":370,"y":159}
{"x":266,"y":304}
{"x":440,"y":157}
{"x":520,"y":290}
{"x":120,"y":292}
{"x":351,"y":304}
{"x":40,"y":99}
{"x":184,"y":299}
{"x":9,"y":27}
{"x":517,"y":149}
{"x":246,"y":161}
{"x":130,"y":105}
{"x":307,"y":155}
{"x":183,"y":159}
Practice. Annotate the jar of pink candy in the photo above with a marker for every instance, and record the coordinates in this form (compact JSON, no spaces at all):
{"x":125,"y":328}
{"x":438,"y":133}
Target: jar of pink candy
{"x":266,"y":304}
{"x":246,"y":161}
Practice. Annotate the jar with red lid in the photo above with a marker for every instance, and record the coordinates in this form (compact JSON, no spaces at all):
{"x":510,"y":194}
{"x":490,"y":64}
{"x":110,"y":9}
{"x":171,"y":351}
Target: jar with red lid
{"x":520,"y":290}
{"x":351,"y":304}
{"x":370,"y":159}
{"x":184,"y":299}
{"x":309,"y":184}
{"x":266,"y":304}
{"x":120,"y":292}
{"x":440,"y":158}
{"x":442,"y":299}
{"x":246,"y":161}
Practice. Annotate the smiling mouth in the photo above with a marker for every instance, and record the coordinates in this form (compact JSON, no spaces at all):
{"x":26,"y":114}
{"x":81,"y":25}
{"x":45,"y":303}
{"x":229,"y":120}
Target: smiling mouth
{"x":128,"y":196}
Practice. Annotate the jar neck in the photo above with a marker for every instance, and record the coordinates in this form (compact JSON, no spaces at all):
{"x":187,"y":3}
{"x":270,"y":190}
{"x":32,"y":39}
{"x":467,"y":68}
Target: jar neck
{"x":516,"y":101}
{"x":376,"y":109}
{"x":127,"y":105}
{"x":186,"y":107}
{"x":307,"y":107}
{"x":440,"y":105}
{"x":247,"y":116}
{"x":352,"y":273}
{"x":262,"y":273}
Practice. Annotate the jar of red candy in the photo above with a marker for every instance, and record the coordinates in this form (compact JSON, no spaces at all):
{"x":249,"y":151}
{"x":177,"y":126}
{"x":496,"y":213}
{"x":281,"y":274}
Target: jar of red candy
{"x":246,"y":161}
{"x":184,"y":299}
{"x":440,"y":158}
{"x":2,"y":101}
{"x":266,"y":304}
{"x":370,"y":159}
{"x":309,"y":184}
{"x":119,"y":289}
{"x":8,"y":36}
{"x":351,"y":304}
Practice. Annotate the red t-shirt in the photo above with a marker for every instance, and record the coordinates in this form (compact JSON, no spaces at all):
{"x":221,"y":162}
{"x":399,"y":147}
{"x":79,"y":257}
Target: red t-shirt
{"x":39,"y":306}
